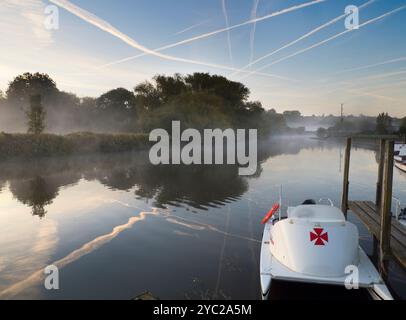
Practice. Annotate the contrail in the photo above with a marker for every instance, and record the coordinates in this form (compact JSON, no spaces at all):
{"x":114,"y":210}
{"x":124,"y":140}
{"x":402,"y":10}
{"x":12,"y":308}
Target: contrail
{"x":105,"y":26}
{"x":331,"y":38}
{"x":191,"y":27}
{"x":371,"y":65}
{"x":372,"y":94}
{"x":230,"y":52}
{"x":323,"y":26}
{"x":254,"y":29}
{"x":209,"y":34}
{"x":86,"y":249}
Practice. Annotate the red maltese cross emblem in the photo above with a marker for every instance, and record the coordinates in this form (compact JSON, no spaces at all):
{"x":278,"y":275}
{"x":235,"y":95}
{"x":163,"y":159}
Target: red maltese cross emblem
{"x":320,"y":236}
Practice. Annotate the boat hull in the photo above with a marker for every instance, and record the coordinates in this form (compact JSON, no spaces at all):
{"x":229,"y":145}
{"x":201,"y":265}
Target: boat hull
{"x":272,"y":270}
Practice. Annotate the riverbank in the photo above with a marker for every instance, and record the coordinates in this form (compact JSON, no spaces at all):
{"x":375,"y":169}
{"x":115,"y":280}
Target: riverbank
{"x":45,"y":145}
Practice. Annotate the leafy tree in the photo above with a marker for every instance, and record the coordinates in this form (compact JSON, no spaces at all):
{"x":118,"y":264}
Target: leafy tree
{"x":36,"y":116}
{"x":26,"y":85}
{"x":147,"y":96}
{"x":383,"y":123}
{"x":234,"y":93}
{"x":118,"y":100}
{"x":168,"y":87}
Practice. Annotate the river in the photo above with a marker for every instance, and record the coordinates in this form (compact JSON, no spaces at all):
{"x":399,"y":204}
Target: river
{"x":116,"y":226}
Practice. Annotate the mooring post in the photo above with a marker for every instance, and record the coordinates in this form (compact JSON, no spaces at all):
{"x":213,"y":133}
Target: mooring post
{"x":346,"y":182}
{"x":380,"y":173}
{"x":386,"y":202}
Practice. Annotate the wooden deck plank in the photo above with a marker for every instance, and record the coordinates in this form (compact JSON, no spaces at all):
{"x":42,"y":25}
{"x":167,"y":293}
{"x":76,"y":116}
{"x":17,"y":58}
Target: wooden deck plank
{"x":398,"y":231}
{"x":368,"y":214}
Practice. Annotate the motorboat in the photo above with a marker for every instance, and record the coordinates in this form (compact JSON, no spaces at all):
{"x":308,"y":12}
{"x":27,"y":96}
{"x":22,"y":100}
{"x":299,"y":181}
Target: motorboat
{"x":314,"y":244}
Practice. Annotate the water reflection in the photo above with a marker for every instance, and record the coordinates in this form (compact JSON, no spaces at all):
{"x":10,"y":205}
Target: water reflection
{"x":37,"y":183}
{"x":177,"y":231}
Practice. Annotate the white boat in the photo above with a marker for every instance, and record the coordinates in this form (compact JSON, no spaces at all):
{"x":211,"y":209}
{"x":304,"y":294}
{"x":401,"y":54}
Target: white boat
{"x":315,"y":245}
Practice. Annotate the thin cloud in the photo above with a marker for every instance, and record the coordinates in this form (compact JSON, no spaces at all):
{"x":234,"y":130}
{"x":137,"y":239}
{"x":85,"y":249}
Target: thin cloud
{"x":331,"y":38}
{"x":253,"y":29}
{"x":210,"y":34}
{"x":323,"y":26}
{"x":225,"y":14}
{"x":105,"y":26}
{"x":22,"y":22}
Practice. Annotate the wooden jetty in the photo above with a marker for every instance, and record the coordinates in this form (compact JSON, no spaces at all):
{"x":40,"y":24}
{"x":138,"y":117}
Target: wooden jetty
{"x":388,"y":233}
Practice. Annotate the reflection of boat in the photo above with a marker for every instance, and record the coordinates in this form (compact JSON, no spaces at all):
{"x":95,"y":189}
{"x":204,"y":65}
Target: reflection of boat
{"x":401,"y":165}
{"x":400,"y":214}
{"x":400,"y":156}
{"x":400,"y":148}
{"x":315,"y":245}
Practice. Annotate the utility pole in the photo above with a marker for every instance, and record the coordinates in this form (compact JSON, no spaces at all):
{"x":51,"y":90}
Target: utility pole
{"x":342,"y":112}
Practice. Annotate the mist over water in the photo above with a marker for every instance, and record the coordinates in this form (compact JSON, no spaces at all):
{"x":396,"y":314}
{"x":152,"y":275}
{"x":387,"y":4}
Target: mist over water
{"x":118,"y":226}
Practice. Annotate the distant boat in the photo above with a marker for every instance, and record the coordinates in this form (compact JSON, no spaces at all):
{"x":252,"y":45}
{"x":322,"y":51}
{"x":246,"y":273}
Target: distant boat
{"x":315,"y":245}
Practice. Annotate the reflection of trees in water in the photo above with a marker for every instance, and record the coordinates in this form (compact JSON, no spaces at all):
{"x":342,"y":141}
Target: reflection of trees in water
{"x":38,"y":183}
{"x":36,"y":193}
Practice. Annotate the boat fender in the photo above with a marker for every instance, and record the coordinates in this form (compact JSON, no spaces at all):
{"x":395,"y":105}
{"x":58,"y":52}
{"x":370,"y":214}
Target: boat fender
{"x":271,"y":212}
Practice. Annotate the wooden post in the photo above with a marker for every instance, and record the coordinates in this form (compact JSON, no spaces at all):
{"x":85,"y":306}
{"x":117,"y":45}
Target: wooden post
{"x":386,"y":202}
{"x":346,"y":183}
{"x":380,"y":173}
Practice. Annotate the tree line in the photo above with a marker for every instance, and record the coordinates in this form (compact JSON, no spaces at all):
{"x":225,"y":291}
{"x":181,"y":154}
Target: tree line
{"x":33,"y":103}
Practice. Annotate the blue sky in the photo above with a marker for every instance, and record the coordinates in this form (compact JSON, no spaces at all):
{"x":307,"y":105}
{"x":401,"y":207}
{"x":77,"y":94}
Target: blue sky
{"x":362,"y":68}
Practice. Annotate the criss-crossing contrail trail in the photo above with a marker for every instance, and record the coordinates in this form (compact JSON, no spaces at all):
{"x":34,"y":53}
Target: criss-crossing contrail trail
{"x":212,"y":33}
{"x":253,"y":29}
{"x":330,"y":39}
{"x":323,"y":26}
{"x":191,"y":27}
{"x":105,"y":26}
{"x":225,"y":14}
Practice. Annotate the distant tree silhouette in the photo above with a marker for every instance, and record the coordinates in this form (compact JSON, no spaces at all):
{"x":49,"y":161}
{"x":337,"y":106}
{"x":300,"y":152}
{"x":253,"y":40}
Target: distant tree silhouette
{"x":36,"y":116}
{"x":383,"y":123}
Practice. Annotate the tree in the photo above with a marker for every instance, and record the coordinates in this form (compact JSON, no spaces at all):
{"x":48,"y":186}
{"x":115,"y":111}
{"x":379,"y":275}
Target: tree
{"x":234,"y":93}
{"x":383,"y":123}
{"x":292,"y":115}
{"x":147,"y":96}
{"x":402,"y":129}
{"x":27,"y":85}
{"x":36,"y":116}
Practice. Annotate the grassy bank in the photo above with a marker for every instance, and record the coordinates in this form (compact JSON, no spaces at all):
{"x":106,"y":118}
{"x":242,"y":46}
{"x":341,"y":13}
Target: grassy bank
{"x":45,"y":145}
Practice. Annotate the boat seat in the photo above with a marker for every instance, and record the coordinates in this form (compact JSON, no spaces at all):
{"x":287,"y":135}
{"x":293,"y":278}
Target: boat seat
{"x":319,"y":213}
{"x":309,"y":202}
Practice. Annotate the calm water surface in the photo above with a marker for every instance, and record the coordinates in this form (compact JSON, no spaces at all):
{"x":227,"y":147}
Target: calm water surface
{"x":117,"y":226}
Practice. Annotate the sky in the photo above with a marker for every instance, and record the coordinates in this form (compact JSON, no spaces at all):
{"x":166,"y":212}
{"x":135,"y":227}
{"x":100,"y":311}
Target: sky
{"x":292,"y":54}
